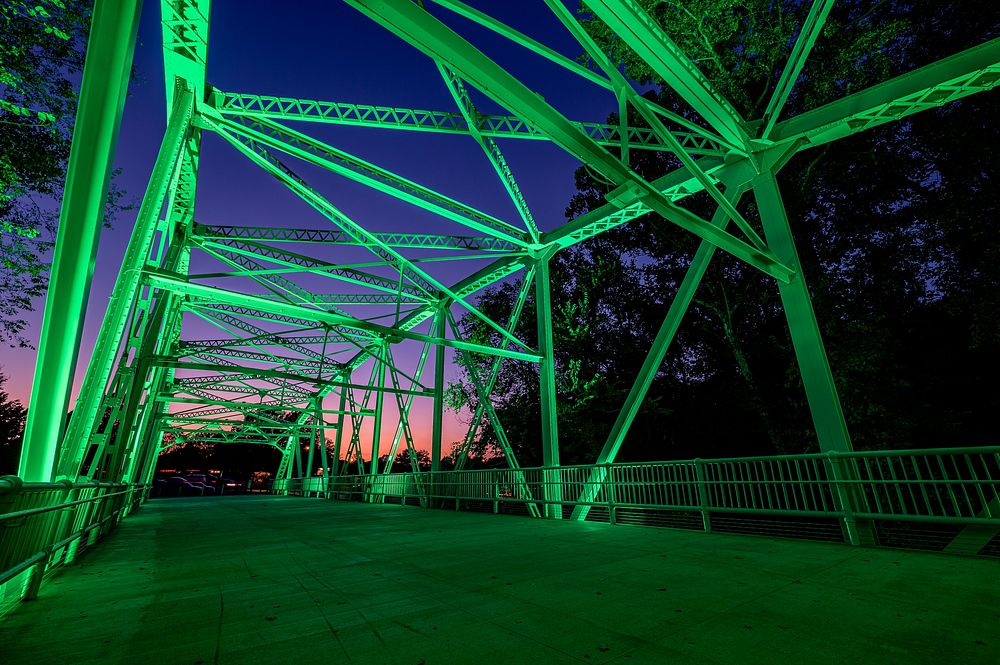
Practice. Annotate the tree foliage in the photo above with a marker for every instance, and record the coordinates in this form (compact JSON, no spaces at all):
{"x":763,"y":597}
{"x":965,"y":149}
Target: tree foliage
{"x":42,"y":46}
{"x":12,"y":416}
{"x":890,"y":229}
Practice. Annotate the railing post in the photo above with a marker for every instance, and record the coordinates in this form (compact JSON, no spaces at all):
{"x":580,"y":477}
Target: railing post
{"x":34,"y":581}
{"x":71,"y":551}
{"x":699,"y":471}
{"x":496,"y":494}
{"x":609,"y":477}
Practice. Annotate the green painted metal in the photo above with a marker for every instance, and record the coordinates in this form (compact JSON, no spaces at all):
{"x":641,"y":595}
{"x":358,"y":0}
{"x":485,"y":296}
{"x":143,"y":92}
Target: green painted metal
{"x":434,"y":38}
{"x":337,"y":237}
{"x":443,"y":122}
{"x":547,"y":388}
{"x":918,"y":486}
{"x":831,"y":428}
{"x":126,"y":287}
{"x":651,"y":365}
{"x":487,"y":389}
{"x":438,"y":413}
{"x":641,"y":32}
{"x":808,"y":34}
{"x":288,"y":350}
{"x":99,"y":113}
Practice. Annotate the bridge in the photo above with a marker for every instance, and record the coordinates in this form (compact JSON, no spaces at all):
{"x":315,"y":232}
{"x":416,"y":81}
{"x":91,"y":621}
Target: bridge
{"x":277,"y":335}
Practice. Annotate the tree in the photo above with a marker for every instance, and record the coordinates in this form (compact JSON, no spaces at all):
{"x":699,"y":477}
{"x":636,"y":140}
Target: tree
{"x":42,"y":47}
{"x":889,"y":227}
{"x":401,"y":463}
{"x":12,"y":416}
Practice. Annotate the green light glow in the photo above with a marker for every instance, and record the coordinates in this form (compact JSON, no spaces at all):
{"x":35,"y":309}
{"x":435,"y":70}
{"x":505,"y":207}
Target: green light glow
{"x":283,"y":346}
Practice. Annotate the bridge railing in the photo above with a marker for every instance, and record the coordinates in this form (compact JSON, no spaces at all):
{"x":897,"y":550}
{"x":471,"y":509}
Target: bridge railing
{"x":46,"y":525}
{"x":957,"y":486}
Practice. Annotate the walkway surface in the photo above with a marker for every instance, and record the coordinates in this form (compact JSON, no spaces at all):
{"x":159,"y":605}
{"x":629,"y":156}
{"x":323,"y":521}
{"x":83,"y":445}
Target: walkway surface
{"x":284,"y":580}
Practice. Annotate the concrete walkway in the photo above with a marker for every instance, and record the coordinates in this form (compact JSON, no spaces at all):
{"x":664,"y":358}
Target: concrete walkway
{"x":245,"y":580}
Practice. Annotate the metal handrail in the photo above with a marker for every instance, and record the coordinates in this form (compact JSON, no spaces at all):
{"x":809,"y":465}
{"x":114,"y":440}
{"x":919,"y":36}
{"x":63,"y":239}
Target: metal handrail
{"x":62,"y":506}
{"x":944,"y":485}
{"x":45,"y":525}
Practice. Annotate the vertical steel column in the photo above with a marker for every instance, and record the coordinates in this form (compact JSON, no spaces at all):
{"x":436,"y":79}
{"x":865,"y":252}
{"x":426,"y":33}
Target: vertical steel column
{"x":547,"y":386}
{"x":98,"y":119}
{"x":437,"y":424}
{"x":311,"y":457}
{"x":814,"y":366}
{"x":335,"y":466}
{"x":320,"y":437}
{"x":379,"y":407}
{"x":297,"y":448}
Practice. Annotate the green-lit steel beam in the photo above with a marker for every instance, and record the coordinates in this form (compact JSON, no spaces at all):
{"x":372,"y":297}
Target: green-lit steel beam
{"x":621,"y":85}
{"x":222,"y":315}
{"x":127,"y":284}
{"x":533,"y":45}
{"x":263,"y":373}
{"x":338,"y":441}
{"x":301,"y":314}
{"x":360,"y":299}
{"x":808,"y":34}
{"x":338,"y":237}
{"x":491,"y":274}
{"x":428,"y":34}
{"x":393,"y":258}
{"x":278,"y":137}
{"x":312,"y":265}
{"x":651,"y":365}
{"x":547,"y":388}
{"x":966,"y":73}
{"x":267,"y":339}
{"x":650,"y":42}
{"x":438,"y":406}
{"x":102,"y":98}
{"x":403,"y":406}
{"x":299,"y":363}
{"x":490,"y":149}
{"x":380,"y":389}
{"x":444,"y":122}
{"x":821,"y":392}
{"x":245,"y":405}
{"x":501,"y":434}
{"x":477,"y":417}
{"x":969,"y":72}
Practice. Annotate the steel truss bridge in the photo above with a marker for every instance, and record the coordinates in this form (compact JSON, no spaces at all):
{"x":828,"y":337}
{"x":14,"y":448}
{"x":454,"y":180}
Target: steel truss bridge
{"x":301,"y":330}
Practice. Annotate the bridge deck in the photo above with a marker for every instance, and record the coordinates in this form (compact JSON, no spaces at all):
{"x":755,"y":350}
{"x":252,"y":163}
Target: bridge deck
{"x":264,"y":580}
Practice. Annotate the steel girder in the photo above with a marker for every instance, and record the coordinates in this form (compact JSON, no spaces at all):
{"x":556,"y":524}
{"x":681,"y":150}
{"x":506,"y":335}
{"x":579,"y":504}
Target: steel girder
{"x":289,"y":347}
{"x":99,"y":113}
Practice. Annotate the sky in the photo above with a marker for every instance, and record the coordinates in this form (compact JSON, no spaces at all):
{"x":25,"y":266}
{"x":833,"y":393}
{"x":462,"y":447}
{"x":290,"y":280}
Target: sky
{"x":328,"y":51}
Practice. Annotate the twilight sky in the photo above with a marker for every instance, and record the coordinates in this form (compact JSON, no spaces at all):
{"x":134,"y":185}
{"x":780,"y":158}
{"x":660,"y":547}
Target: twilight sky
{"x":326,"y":50}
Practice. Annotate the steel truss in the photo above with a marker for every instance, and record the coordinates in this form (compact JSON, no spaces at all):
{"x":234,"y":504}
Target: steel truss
{"x":285,"y":354}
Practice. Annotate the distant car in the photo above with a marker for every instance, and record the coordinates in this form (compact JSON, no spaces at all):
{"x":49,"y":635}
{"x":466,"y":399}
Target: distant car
{"x":202,"y":478}
{"x":178,"y":486}
{"x":202,"y":487}
{"x":228,"y":485}
{"x":219,"y":484}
